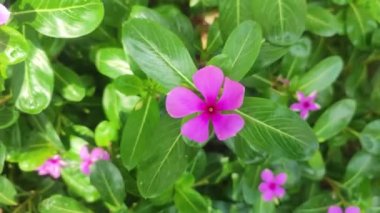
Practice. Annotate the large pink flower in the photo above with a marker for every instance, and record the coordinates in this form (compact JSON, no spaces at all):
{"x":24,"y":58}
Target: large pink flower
{"x":4,"y":14}
{"x":182,"y":102}
{"x":52,"y":167}
{"x":89,"y":158}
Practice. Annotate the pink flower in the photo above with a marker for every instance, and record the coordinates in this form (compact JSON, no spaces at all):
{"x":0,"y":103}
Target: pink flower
{"x":305,"y":104}
{"x":337,"y":209}
{"x":271,"y":187}
{"x":4,"y":14}
{"x":90,"y":158}
{"x":182,"y":102}
{"x":52,"y":167}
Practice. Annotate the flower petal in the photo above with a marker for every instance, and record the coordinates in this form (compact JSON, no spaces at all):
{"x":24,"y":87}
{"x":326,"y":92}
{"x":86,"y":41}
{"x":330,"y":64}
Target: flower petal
{"x":312,"y":96}
{"x":196,"y":128}
{"x":334,"y":209}
{"x":314,"y":106}
{"x":85,"y":167}
{"x":300,"y":96}
{"x":99,"y":154}
{"x":55,"y":171}
{"x":352,"y":209}
{"x":181,"y":102}
{"x":296,"y":107}
{"x":280,"y":179}
{"x":233,"y":95}
{"x":226,"y":126}
{"x":42,"y":170}
{"x":304,"y":114}
{"x":208,"y":81}
{"x":4,"y":14}
{"x":268,"y":196}
{"x":267,"y":175}
{"x":279,"y":192}
{"x":83,"y":153}
{"x":263,"y":187}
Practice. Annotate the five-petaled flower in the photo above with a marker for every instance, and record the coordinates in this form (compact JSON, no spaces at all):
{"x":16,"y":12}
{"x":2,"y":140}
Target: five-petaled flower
{"x":272,"y":185}
{"x":305,"y":104}
{"x":4,"y":14}
{"x":337,"y":209}
{"x":90,"y":158}
{"x":52,"y":167}
{"x":182,"y":102}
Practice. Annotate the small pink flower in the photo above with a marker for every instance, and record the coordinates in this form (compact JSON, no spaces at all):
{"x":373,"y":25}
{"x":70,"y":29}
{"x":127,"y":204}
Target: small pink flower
{"x":52,"y":167}
{"x":337,"y":209}
{"x":90,"y":158}
{"x":271,"y":187}
{"x":4,"y":14}
{"x":182,"y":102}
{"x":305,"y":104}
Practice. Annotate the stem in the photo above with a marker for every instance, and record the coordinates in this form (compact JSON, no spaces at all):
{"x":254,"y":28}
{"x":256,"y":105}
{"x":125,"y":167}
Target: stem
{"x":353,"y":132}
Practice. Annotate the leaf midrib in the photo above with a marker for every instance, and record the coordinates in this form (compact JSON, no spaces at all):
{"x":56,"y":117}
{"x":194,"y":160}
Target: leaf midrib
{"x":108,"y":187}
{"x":187,"y":200}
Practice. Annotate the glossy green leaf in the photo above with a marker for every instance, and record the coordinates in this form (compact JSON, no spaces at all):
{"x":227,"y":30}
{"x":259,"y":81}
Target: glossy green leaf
{"x":129,"y":85}
{"x":370,"y":137}
{"x":166,"y":164}
{"x":243,"y":47}
{"x":359,"y":25}
{"x":136,"y":138}
{"x":62,"y":204}
{"x":8,"y":192}
{"x":269,"y":53}
{"x":321,"y":22}
{"x":334,"y":119}
{"x":8,"y":116}
{"x":232,"y":13}
{"x":158,"y":52}
{"x":105,"y":133}
{"x":33,"y":82}
{"x":107,"y":179}
{"x":13,"y":46}
{"x":32,"y":158}
{"x":283,"y":22}
{"x":60,"y":18}
{"x":112,"y":62}
{"x":42,"y":123}
{"x":3,"y":155}
{"x":79,"y":184}
{"x":321,"y":75}
{"x":267,"y":129}
{"x":68,"y":83}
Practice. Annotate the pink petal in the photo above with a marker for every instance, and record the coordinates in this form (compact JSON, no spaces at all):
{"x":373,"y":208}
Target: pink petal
{"x":314,"y":106}
{"x":84,"y":154}
{"x":55,"y":172}
{"x":232,"y":97}
{"x":42,"y":170}
{"x":268,"y":196}
{"x":280,"y":179}
{"x":99,"y":154}
{"x":279,"y":192}
{"x":4,"y":14}
{"x":181,"y":102}
{"x":196,"y":128}
{"x":208,"y":81}
{"x":227,"y":126}
{"x":312,"y":96}
{"x":304,"y":114}
{"x":300,"y":96}
{"x":267,"y":175}
{"x":263,"y":187}
{"x":85,"y":167}
{"x":296,"y":107}
{"x":334,"y":209}
{"x":352,"y":209}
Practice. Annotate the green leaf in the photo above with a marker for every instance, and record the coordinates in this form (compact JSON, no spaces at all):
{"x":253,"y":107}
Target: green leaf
{"x":3,"y":155}
{"x":61,"y":204}
{"x":31,"y":158}
{"x":370,"y":137}
{"x":105,"y":133}
{"x":321,"y":22}
{"x":60,"y":18}
{"x":136,"y":138}
{"x":79,"y":184}
{"x":334,"y":119}
{"x":112,"y":62}
{"x":158,"y":52}
{"x":316,"y":169}
{"x":243,"y":47}
{"x":359,"y":25}
{"x":68,"y":83}
{"x":8,"y":192}
{"x":169,"y":160}
{"x":232,"y":13}
{"x":108,"y":181}
{"x":321,"y":75}
{"x":261,"y":206}
{"x":8,"y":116}
{"x":129,"y":85}
{"x":214,"y":39}
{"x":316,"y":204}
{"x":13,"y":46}
{"x":269,"y":54}
{"x":374,"y":7}
{"x":274,"y":129}
{"x":283,"y":22}
{"x":33,"y":82}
